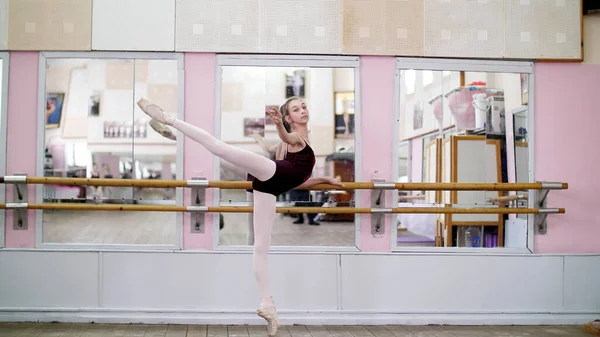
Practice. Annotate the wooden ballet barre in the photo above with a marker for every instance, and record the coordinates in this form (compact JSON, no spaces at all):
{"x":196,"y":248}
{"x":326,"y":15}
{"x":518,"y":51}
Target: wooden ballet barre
{"x":249,"y":209}
{"x":152,"y":183}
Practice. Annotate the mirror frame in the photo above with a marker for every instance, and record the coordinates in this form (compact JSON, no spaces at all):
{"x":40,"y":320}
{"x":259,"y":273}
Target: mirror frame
{"x":41,"y":132}
{"x":5,"y":57}
{"x":466,"y":65}
{"x":292,"y":61}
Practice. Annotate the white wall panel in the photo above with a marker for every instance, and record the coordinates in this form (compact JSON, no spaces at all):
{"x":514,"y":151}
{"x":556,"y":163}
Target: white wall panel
{"x":216,"y":282}
{"x":48,"y":279}
{"x":523,"y":31}
{"x":582,"y":277}
{"x":451,"y":283}
{"x":217,"y":25}
{"x":560,"y":26}
{"x":308,"y":26}
{"x":3,"y":24}
{"x":446,"y":27}
{"x":133,"y":25}
{"x":219,"y":288}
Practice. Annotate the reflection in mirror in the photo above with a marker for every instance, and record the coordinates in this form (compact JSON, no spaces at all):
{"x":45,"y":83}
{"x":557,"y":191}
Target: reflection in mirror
{"x":521,"y":155}
{"x":246,"y":93}
{"x":466,"y":141}
{"x":94,"y":129}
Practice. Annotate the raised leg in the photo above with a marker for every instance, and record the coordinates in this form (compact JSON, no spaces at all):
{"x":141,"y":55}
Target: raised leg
{"x":260,"y":167}
{"x":264,"y":218}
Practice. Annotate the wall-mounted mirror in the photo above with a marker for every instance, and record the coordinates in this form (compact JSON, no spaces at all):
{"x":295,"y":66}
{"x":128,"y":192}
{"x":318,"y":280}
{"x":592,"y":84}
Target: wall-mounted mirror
{"x":94,"y":129}
{"x":246,"y":93}
{"x":455,"y":123}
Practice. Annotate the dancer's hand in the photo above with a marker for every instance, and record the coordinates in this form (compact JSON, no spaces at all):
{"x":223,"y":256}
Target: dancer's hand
{"x":275,"y":116}
{"x":333,"y":181}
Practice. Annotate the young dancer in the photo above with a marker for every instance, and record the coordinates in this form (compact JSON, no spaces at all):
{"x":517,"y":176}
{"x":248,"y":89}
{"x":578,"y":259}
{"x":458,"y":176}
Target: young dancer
{"x":271,"y":178}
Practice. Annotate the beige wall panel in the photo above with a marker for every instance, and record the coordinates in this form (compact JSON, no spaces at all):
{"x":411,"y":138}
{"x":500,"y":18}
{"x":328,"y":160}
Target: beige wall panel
{"x":308,"y":26}
{"x":217,"y":25}
{"x":404,"y":27}
{"x":49,"y":24}
{"x":364,"y":27}
{"x":3,"y":24}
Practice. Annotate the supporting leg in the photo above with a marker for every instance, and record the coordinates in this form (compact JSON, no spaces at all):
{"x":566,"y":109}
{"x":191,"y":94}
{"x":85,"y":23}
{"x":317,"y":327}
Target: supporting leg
{"x":264,"y":218}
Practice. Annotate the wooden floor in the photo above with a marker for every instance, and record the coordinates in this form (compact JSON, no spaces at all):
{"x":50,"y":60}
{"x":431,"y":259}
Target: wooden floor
{"x":135,"y":330}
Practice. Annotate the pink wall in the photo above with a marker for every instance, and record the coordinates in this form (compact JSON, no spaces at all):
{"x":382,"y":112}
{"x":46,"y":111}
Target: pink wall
{"x":197,"y":161}
{"x":22,"y":118}
{"x":566,"y":137}
{"x":377,"y":127}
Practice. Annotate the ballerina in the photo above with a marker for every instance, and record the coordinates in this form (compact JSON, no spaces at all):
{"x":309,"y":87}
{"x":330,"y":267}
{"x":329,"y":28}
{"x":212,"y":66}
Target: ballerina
{"x":270,"y":178}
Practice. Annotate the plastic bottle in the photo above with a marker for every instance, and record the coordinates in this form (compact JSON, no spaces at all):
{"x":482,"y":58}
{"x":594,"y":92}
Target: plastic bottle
{"x":473,"y":237}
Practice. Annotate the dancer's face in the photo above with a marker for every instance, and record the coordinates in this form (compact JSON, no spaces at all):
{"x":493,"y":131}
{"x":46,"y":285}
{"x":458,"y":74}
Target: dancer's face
{"x":298,"y":112}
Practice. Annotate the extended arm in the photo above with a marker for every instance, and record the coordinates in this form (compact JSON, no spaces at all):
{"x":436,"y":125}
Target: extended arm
{"x":289,"y":138}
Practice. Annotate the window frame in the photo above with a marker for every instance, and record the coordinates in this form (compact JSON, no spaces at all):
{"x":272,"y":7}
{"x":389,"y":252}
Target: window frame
{"x":41,"y":131}
{"x":5,"y":57}
{"x":313,"y":61}
{"x":467,"y":65}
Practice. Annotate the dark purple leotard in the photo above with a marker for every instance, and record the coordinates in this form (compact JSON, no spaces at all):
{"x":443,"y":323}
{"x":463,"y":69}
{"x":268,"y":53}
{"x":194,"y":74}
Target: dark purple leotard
{"x":290,"y":172}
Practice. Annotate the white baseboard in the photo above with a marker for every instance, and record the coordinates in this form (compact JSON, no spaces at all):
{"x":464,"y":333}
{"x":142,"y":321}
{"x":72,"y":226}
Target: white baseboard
{"x":117,"y":316}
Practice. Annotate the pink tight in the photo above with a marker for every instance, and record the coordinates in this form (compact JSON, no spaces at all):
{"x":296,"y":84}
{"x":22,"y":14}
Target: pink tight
{"x":264,"y":204}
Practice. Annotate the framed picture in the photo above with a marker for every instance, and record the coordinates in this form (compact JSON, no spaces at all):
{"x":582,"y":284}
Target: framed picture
{"x":344,"y":113}
{"x":54,"y":107}
{"x":295,"y":84}
{"x":254,"y":125}
{"x":94,"y":104}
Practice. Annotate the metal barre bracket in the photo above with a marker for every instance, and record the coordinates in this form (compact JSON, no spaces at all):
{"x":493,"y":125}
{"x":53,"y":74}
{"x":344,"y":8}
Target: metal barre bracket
{"x":541,"y":224}
{"x":377,"y":208}
{"x":19,"y":197}
{"x":198,"y":203}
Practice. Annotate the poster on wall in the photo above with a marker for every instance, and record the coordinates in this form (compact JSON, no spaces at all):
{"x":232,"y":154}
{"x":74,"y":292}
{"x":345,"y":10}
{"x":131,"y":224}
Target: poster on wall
{"x":54,"y":106}
{"x":344,"y":113}
{"x":254,"y":125}
{"x":295,"y":84}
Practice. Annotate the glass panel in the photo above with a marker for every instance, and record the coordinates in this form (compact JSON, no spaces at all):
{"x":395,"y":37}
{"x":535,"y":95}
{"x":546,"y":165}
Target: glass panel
{"x":477,"y":142}
{"x":94,"y":131}
{"x":246,"y":94}
{"x":421,"y":128}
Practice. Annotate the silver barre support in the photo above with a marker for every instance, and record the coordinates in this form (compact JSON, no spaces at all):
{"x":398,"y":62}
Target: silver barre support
{"x":383,"y":186}
{"x":16,"y":179}
{"x":200,"y":182}
{"x":546,"y":185}
{"x":541,"y":200}
{"x":377,"y":206}
{"x":19,"y":198}
{"x":198,"y":186}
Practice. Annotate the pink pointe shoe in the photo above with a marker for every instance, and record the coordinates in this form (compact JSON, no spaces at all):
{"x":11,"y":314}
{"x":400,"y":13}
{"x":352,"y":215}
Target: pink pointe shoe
{"x":162,"y":129}
{"x":269,"y":313}
{"x":155,"y":112}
